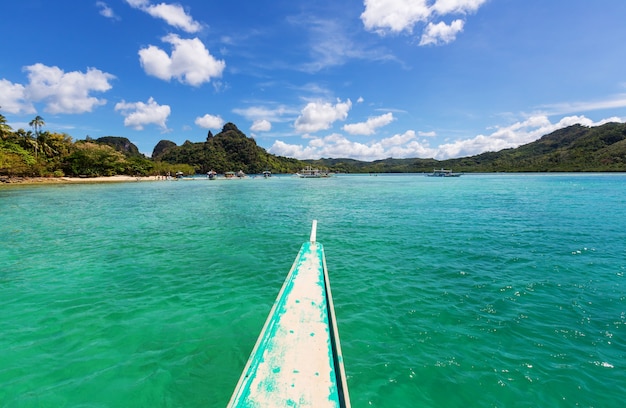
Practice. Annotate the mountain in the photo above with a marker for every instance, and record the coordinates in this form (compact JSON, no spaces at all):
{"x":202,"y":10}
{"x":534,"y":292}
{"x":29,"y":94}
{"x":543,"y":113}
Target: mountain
{"x":121,"y":144}
{"x":229,"y":150}
{"x":574,"y":148}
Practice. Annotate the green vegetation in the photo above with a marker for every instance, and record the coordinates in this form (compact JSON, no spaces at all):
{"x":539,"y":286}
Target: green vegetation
{"x":229,"y":150}
{"x":573,"y":149}
{"x":47,"y":154}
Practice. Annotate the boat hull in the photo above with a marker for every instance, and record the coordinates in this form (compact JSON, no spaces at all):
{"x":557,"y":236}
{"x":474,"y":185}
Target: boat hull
{"x":297,"y":359}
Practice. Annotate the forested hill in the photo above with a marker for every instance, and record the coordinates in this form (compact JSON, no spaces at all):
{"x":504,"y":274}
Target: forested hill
{"x":574,"y":148}
{"x":229,"y":150}
{"x":44,"y":153}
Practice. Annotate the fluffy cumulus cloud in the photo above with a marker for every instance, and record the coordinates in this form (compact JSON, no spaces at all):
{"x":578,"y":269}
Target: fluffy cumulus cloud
{"x":321,"y":115}
{"x":370,"y":125}
{"x":61,"y":92}
{"x":190,"y":61}
{"x":173,"y":14}
{"x":261,"y":125}
{"x":209,"y":121}
{"x":512,"y":136}
{"x":441,"y":33}
{"x":13,"y":98}
{"x":408,"y":145}
{"x":335,"y":145}
{"x":139,"y":114}
{"x":396,"y":16}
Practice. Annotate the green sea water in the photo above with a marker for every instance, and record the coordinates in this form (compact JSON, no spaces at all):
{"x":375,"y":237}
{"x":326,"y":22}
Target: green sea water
{"x":479,"y":291}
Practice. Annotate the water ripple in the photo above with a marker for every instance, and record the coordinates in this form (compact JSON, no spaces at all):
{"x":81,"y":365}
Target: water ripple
{"x":491,"y":290}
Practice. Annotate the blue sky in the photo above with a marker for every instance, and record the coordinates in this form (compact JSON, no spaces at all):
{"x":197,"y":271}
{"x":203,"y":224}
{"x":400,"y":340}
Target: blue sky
{"x":365,"y":79}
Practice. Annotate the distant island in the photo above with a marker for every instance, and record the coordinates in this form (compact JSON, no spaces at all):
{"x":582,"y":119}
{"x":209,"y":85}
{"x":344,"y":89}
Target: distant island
{"x":40,"y":153}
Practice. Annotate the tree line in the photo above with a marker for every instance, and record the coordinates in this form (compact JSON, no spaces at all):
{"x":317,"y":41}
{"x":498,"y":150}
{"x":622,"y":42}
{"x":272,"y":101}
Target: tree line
{"x":41,"y":153}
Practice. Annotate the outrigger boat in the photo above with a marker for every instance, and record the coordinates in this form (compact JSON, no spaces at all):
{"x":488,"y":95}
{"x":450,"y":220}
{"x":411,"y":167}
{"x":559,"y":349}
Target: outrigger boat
{"x":443,"y":173}
{"x":297,"y":358}
{"x":309,"y":172}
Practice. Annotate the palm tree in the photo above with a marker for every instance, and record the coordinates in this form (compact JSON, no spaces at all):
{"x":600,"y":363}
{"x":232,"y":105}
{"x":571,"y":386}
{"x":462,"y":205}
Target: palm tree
{"x":5,"y":129}
{"x":37,"y":123}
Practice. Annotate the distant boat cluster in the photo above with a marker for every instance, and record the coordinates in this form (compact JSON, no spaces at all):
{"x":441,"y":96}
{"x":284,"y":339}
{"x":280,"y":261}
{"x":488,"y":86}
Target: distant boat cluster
{"x":308,"y":172}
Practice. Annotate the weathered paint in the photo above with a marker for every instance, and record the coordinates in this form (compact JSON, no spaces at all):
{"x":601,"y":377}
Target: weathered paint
{"x":296,"y":361}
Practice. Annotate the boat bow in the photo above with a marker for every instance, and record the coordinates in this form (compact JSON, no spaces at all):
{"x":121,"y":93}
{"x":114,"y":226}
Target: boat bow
{"x":297,"y":359}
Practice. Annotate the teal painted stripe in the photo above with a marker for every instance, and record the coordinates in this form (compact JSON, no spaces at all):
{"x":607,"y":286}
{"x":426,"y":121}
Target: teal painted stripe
{"x":288,"y":366}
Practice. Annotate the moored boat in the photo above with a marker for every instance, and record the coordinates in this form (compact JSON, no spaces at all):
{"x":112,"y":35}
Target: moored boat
{"x":297,"y":358}
{"x":309,"y":172}
{"x":443,"y":173}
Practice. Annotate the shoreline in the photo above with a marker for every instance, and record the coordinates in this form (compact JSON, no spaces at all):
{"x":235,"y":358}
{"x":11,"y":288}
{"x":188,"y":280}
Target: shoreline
{"x":7,"y":180}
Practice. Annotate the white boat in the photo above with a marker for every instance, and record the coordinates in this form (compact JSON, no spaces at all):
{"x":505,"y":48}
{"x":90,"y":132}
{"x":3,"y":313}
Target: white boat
{"x":310,"y":172}
{"x":297,"y":359}
{"x":443,"y":173}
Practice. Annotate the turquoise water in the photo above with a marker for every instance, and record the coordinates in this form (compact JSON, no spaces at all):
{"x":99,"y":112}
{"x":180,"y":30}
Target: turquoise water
{"x":478,"y":291}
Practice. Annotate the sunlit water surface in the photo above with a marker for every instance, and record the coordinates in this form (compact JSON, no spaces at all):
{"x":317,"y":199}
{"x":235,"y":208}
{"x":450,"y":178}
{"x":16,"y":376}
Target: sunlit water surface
{"x":478,"y":291}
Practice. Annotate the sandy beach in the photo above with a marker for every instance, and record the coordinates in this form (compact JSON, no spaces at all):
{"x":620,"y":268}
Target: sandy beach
{"x":68,"y":180}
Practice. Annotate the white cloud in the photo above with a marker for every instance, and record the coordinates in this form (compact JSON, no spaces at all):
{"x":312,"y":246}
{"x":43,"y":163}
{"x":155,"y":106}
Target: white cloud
{"x":427,"y":134}
{"x":369,"y":127}
{"x":338,"y":146}
{"x":512,"y":136}
{"x":330,"y":43}
{"x":66,"y":92}
{"x":190,"y":62}
{"x":138,"y":3}
{"x":173,"y":14}
{"x":281,"y":148}
{"x":398,"y":140}
{"x":61,"y":92}
{"x":106,"y":11}
{"x":406,"y":145}
{"x":209,"y":121}
{"x":13,"y":98}
{"x":321,"y":115}
{"x":256,"y":113}
{"x":261,"y":125}
{"x":441,"y":33}
{"x":617,"y":101}
{"x":139,"y":114}
{"x":443,"y":7}
{"x":396,"y":16}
